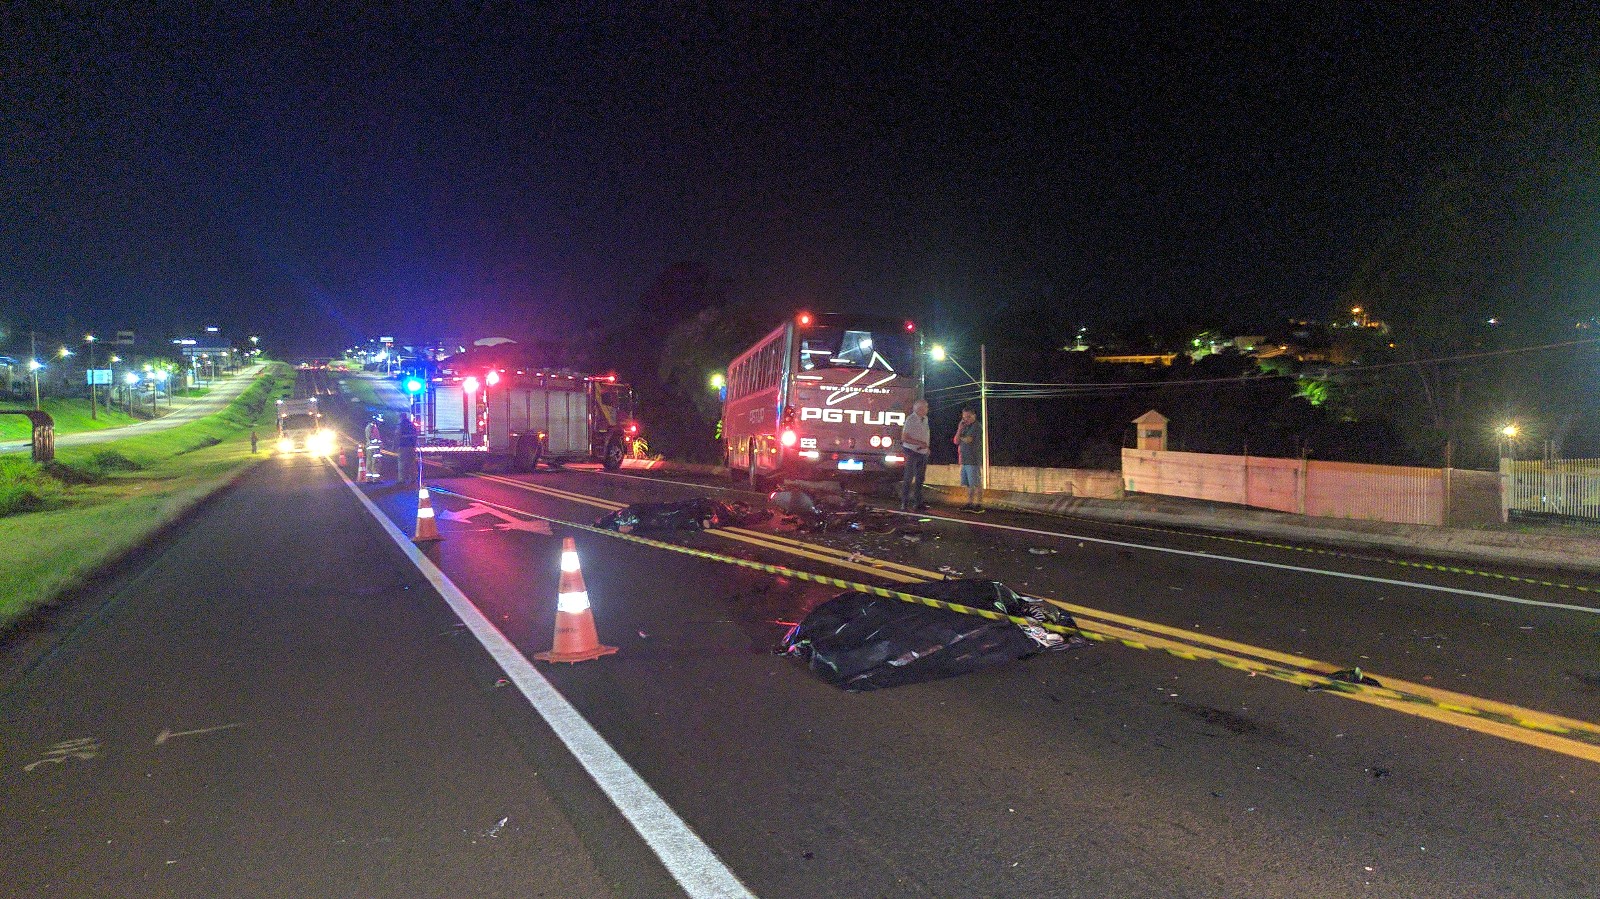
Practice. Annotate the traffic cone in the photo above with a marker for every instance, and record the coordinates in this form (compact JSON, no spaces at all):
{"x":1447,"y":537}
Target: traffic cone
{"x":427,"y":528}
{"x":575,"y":640}
{"x":361,"y":465}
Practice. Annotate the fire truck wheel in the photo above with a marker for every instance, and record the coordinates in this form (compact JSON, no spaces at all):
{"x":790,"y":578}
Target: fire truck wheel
{"x":613,"y":457}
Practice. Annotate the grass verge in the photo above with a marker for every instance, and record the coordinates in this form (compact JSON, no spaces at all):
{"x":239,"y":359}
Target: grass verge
{"x":93,"y":506}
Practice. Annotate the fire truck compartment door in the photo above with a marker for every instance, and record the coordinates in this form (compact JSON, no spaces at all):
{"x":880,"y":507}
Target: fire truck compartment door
{"x":568,"y":423}
{"x":561,"y":414}
{"x":449,"y":412}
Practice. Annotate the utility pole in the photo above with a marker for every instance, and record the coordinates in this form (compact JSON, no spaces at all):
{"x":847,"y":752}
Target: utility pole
{"x":93,"y":398}
{"x":983,"y":406}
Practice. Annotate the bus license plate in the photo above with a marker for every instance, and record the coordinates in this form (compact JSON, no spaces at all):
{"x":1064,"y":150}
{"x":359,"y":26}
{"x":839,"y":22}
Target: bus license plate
{"x":851,"y":465}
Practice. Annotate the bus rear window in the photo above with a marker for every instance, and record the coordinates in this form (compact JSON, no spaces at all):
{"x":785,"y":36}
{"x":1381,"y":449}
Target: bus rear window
{"x":885,"y":349}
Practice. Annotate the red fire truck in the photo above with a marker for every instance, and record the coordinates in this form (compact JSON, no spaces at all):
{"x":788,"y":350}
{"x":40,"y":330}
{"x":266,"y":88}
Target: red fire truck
{"x":473,"y":413}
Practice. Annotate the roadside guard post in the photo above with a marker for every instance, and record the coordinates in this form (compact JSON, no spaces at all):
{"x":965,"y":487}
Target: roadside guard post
{"x":427,"y":527}
{"x":576,"y":640}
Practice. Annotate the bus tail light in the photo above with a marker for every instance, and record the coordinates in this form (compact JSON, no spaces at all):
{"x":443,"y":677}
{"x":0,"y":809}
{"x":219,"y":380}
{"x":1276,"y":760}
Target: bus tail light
{"x":892,"y":459}
{"x":789,"y":437}
{"x":876,"y":441}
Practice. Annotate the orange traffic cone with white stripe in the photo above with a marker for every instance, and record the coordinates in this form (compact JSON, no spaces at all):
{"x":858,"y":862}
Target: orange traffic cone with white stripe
{"x":575,"y":640}
{"x":361,"y":465}
{"x":427,"y":528}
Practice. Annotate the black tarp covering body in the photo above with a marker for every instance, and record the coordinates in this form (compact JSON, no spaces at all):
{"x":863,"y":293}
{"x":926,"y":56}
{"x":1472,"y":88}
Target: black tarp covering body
{"x":691,"y":515}
{"x":858,"y":641}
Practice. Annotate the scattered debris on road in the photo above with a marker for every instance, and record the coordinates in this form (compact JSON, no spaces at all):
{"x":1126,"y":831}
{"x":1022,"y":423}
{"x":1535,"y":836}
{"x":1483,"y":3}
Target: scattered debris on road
{"x":700,"y":514}
{"x":1347,"y":676}
{"x":857,"y":641}
{"x":831,"y":512}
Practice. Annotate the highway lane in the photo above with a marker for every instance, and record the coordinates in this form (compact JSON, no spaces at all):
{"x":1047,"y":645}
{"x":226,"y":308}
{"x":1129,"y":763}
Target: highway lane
{"x":272,"y":703}
{"x":1097,"y":772}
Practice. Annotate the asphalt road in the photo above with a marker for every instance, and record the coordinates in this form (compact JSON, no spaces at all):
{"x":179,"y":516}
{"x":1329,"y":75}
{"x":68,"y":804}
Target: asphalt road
{"x":378,"y":746}
{"x":222,"y":392}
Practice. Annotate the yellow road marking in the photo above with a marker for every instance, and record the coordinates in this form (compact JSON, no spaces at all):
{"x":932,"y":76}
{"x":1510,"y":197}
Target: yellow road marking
{"x":743,"y":535}
{"x":1534,"y":728}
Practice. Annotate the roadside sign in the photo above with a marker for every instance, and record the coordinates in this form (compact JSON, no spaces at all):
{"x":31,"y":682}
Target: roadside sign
{"x":98,"y":377}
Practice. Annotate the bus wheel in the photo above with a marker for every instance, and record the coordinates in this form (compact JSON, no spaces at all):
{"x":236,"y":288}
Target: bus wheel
{"x":613,"y":457}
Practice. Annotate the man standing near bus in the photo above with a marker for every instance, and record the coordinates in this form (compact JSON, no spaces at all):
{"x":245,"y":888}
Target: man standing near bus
{"x":969,"y":452}
{"x":914,"y":439}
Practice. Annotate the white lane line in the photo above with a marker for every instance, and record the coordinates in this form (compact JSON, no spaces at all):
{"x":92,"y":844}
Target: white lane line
{"x":686,"y":857}
{"x":1437,"y":588}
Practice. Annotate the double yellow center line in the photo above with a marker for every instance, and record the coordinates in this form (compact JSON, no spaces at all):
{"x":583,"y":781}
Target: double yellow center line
{"x":1556,"y":733}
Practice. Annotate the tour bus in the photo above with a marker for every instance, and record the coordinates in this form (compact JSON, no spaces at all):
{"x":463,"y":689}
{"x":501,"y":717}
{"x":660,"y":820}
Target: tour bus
{"x":822,"y":397}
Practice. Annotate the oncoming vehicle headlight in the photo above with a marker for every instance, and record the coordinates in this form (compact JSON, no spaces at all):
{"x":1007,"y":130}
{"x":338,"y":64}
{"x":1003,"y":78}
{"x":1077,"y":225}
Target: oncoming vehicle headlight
{"x":321,"y":443}
{"x":285,"y":445}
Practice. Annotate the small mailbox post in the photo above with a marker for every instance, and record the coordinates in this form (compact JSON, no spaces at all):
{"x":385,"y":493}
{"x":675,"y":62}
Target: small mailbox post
{"x":1150,"y":431}
{"x":44,"y":433}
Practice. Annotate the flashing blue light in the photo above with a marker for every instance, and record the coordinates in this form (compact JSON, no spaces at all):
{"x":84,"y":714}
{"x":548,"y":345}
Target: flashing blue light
{"x":413,"y":385}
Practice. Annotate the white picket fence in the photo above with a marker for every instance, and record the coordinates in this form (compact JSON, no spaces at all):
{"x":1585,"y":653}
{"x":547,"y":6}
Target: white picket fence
{"x":1566,"y":487}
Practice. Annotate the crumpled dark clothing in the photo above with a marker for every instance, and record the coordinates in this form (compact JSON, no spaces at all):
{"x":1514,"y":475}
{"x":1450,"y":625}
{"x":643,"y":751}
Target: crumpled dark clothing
{"x":690,"y":515}
{"x":830,"y":511}
{"x":857,"y":641}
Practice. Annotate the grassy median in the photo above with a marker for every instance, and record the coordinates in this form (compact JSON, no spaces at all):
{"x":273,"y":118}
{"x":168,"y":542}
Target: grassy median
{"x":63,"y":522}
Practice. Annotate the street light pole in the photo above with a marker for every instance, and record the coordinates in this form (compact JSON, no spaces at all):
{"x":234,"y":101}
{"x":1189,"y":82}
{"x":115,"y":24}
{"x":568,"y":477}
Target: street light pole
{"x":983,"y":408}
{"x":93,"y":398}
{"x":33,"y":366}
{"x":939,"y":355}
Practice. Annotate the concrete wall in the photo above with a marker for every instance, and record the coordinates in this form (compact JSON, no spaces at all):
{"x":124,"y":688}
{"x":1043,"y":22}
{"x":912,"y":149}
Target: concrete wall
{"x":1396,"y":493}
{"x":1068,"y":481}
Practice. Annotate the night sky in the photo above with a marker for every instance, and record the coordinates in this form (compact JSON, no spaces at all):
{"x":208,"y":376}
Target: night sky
{"x":318,"y":179}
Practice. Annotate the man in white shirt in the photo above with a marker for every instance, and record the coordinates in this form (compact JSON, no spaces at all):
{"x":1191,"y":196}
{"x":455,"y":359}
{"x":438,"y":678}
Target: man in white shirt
{"x":914,"y":439}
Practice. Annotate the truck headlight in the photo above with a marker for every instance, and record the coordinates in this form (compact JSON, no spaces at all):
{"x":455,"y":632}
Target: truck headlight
{"x":285,"y":445}
{"x":321,"y":443}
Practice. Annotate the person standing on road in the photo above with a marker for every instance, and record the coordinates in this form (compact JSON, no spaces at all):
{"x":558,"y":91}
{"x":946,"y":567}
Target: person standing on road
{"x":406,"y":448}
{"x":969,"y":452}
{"x":914,"y":439}
{"x":254,"y":441}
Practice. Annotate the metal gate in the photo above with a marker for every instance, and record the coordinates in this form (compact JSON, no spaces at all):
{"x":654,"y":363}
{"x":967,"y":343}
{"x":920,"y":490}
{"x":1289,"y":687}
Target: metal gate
{"x":1569,"y":488}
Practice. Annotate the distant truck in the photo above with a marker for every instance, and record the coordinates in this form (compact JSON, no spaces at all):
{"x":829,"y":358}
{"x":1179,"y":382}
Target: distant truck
{"x":300,"y":428}
{"x":468,"y":418}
